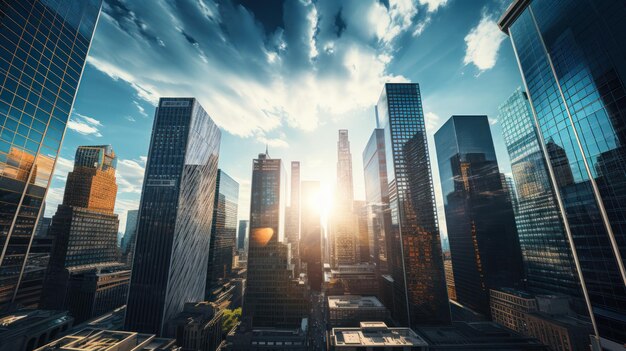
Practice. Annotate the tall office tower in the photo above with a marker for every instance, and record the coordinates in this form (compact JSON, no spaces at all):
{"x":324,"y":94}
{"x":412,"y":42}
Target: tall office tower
{"x":223,"y":231}
{"x":36,"y":99}
{"x":479,"y":214}
{"x":84,"y":228}
{"x":419,"y":284}
{"x":571,"y":56}
{"x":128,"y":241}
{"x":273,"y":297}
{"x":377,"y":196}
{"x":343,"y":223}
{"x":311,"y":238}
{"x":175,"y":214}
{"x":547,"y":256}
{"x":242,"y":233}
{"x":363,"y":238}
{"x":292,"y":216}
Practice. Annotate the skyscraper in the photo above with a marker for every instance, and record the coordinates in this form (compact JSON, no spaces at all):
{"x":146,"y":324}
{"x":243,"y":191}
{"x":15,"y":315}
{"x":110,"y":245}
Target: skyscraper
{"x":311,"y":238}
{"x":36,"y":99}
{"x":479,"y":215}
{"x":292,"y":216}
{"x":377,"y":196}
{"x":363,"y":239}
{"x":343,"y":223}
{"x":223,"y":230}
{"x":414,"y":247}
{"x":242,"y":233}
{"x":85,"y":233}
{"x":570,"y":54}
{"x":273,"y":298}
{"x":547,"y":256}
{"x":128,"y":241}
{"x":175,"y":214}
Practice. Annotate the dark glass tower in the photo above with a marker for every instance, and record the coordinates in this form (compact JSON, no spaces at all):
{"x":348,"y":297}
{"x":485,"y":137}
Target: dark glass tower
{"x":571,"y":56}
{"x":414,"y":247}
{"x":479,"y":215}
{"x":43,"y":47}
{"x":292,"y":216}
{"x":548,"y":261}
{"x":242,"y":233}
{"x":273,"y":297}
{"x":377,"y":196}
{"x":175,"y":215}
{"x":223,"y":231}
{"x":311,"y":238}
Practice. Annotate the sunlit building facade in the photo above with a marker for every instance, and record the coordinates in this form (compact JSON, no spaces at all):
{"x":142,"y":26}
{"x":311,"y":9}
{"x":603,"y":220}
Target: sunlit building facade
{"x":571,"y":56}
{"x":43,"y":49}
{"x":547,"y":256}
{"x":223,"y":230}
{"x":479,"y":214}
{"x":343,"y":226}
{"x":175,"y":214}
{"x":414,"y":246}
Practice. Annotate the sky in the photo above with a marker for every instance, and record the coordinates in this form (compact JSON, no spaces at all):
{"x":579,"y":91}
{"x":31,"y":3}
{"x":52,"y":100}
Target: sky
{"x":283,"y":73}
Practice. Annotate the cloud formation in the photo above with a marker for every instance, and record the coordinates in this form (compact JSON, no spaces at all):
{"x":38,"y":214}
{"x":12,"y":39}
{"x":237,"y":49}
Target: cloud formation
{"x":324,"y":59}
{"x":84,"y":125}
{"x":482,"y":44}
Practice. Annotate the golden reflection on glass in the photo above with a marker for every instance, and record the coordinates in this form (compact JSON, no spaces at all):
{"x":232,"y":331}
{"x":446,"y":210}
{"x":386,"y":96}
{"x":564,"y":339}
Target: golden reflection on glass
{"x":262,"y":236}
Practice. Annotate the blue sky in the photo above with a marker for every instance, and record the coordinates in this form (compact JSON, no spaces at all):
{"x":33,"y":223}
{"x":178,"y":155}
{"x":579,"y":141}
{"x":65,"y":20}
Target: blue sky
{"x":288,"y":74}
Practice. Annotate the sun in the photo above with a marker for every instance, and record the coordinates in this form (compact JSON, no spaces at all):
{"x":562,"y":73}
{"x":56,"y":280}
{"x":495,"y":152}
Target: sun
{"x":320,"y":202}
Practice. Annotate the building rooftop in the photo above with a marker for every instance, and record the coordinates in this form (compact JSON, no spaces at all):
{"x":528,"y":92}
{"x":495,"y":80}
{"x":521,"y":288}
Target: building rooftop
{"x":511,"y":13}
{"x":17,"y":322}
{"x":354,"y":301}
{"x":375,"y":334}
{"x":90,"y":339}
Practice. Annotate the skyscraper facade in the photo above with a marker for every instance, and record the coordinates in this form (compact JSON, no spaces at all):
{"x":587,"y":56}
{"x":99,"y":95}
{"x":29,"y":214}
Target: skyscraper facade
{"x":362,"y":231}
{"x":242,"y":233}
{"x":292,"y":213}
{"x":479,"y":214}
{"x":570,"y":54}
{"x":377,"y":196}
{"x":414,"y":247}
{"x":38,"y":83}
{"x":547,"y":256}
{"x":175,"y":214}
{"x":344,"y":224}
{"x":223,"y":230}
{"x":84,"y":229}
{"x":311,"y":238}
{"x":273,"y":298}
{"x":128,"y":241}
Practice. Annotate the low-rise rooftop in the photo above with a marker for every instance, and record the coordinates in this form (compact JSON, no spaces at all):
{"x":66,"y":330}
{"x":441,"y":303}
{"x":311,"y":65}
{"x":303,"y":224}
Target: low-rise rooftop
{"x":354,"y":301}
{"x":375,"y":334}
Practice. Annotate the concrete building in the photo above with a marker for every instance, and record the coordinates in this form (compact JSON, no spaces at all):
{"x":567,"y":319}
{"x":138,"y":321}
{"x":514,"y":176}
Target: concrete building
{"x":27,"y":329}
{"x":198,"y":327}
{"x":375,"y":336}
{"x":477,"y":336}
{"x":358,"y":279}
{"x":350,"y":310}
{"x":509,"y":308}
{"x":90,"y":339}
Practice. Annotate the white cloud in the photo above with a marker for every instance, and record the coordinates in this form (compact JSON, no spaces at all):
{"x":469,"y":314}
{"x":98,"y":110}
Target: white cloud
{"x":433,"y":5}
{"x":483,"y":43}
{"x":432,"y":121}
{"x":130,"y":175}
{"x":141,"y":109}
{"x":62,"y":168}
{"x":84,"y":125}
{"x":53,"y":198}
{"x":250,"y":81}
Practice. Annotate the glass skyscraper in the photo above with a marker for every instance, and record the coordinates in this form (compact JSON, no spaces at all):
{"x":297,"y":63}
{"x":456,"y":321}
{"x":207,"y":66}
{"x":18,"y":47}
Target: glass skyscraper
{"x":43,"y":47}
{"x":548,"y":260}
{"x":311,"y":237}
{"x":273,"y":298}
{"x":377,"y":196}
{"x":175,"y":214}
{"x":223,"y":231}
{"x":292,"y":213}
{"x":479,"y":214}
{"x":242,"y":234}
{"x":414,"y":247}
{"x":571,"y":56}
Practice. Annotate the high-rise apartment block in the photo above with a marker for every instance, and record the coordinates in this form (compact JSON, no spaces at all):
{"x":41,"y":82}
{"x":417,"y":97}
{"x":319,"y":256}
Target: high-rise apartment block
{"x":479,"y":214}
{"x":43,"y":52}
{"x":175,"y":214}
{"x":414,"y":248}
{"x":570,"y":54}
{"x":223,"y":231}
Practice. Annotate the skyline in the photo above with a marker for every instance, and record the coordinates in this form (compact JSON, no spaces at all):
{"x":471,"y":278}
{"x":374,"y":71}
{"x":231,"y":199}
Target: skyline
{"x":104,"y":105}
